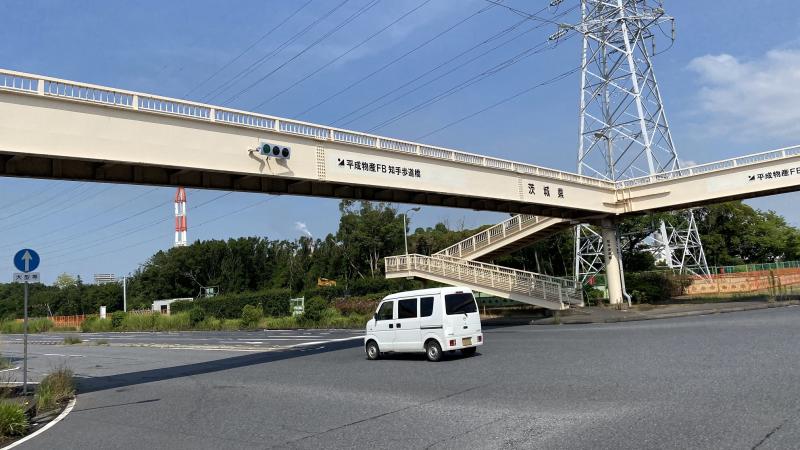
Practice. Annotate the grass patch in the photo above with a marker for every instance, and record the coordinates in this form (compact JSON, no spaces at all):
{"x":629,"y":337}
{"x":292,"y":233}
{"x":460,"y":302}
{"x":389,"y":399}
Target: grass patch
{"x":96,"y":325}
{"x":34,"y":326}
{"x":5,"y":363}
{"x":101,"y":342}
{"x":72,"y":340}
{"x":55,"y":388}
{"x":13,"y":421}
{"x":64,"y":328}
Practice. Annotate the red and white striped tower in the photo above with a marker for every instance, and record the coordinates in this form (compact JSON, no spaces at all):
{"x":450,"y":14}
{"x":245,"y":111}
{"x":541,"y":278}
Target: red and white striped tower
{"x":180,"y":217}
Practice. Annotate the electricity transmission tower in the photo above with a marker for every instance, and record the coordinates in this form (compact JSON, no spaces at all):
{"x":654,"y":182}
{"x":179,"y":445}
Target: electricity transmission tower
{"x":624,"y":131}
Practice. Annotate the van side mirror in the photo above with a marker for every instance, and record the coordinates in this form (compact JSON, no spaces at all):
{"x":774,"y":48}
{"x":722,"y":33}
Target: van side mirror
{"x":375,"y":316}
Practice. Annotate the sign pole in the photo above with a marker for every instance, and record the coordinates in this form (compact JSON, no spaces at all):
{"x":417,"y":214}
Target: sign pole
{"x":26,"y":261}
{"x":25,"y":344}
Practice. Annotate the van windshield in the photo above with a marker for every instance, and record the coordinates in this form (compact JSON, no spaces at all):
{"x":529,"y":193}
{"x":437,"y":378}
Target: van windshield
{"x":460,"y":303}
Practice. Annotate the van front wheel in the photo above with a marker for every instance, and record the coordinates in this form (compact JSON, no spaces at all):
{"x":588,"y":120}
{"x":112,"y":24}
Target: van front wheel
{"x":433,"y":350}
{"x":373,"y":352}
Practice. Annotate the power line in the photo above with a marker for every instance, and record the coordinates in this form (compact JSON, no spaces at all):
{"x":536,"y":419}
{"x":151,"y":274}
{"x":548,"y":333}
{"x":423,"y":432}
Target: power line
{"x":539,"y":48}
{"x":342,"y":55}
{"x":261,"y":38}
{"x":66,"y":205}
{"x":54,"y":197}
{"x":524,"y":14}
{"x":254,"y":66}
{"x":134,"y":230}
{"x":220,"y":217}
{"x":85,"y":232}
{"x":403,"y":95}
{"x":28,"y":198}
{"x":351,"y":18}
{"x":394,"y":61}
{"x":500,"y":102}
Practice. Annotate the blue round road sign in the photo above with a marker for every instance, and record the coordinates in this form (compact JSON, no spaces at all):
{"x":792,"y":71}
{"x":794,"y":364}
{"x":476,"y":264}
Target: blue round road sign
{"x":26,"y":260}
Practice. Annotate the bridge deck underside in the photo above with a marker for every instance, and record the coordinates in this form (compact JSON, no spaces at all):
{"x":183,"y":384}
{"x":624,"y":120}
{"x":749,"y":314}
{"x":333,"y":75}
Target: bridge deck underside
{"x":18,"y":165}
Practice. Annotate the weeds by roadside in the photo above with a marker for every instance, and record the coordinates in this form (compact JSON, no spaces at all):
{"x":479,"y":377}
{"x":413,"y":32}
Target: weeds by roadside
{"x":34,"y":326}
{"x":71,"y":340}
{"x":101,"y":342}
{"x":54,"y":388}
{"x":13,"y":420}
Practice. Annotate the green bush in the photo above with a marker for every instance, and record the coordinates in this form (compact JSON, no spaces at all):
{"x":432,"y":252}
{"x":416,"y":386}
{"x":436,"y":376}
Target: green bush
{"x":117,"y":317}
{"x":13,"y":421}
{"x":279,"y":323}
{"x":358,"y":305}
{"x":38,"y":325}
{"x":137,"y":322}
{"x":96,"y":325}
{"x":251,"y":316}
{"x":656,"y":287}
{"x":273,"y":302}
{"x":196,"y":315}
{"x":314,"y":308}
{"x":54,"y":388}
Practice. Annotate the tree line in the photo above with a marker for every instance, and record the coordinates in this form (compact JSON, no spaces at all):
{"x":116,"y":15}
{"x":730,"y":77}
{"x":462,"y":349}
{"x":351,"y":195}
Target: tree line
{"x":732,"y":233}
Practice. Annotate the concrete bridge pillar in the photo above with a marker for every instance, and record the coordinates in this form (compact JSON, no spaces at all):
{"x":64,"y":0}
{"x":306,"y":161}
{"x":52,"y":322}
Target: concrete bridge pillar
{"x":613,"y":261}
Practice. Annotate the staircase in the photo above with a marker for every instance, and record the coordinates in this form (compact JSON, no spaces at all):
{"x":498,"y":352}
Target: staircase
{"x":505,"y":237}
{"x":526,"y":287}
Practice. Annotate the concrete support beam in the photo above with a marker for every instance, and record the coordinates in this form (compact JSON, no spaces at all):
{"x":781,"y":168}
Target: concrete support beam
{"x":613,"y":261}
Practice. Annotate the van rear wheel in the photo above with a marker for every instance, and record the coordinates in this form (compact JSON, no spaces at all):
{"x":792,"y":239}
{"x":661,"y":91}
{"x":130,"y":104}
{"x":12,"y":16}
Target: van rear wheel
{"x":373,"y":352}
{"x":469,"y":351}
{"x":433,"y":350}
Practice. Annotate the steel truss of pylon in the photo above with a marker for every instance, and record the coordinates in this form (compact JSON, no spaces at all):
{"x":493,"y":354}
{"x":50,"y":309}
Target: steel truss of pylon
{"x":624,"y":131}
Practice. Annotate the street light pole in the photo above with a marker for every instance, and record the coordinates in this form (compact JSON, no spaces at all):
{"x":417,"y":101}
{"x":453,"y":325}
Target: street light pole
{"x":405,"y":230}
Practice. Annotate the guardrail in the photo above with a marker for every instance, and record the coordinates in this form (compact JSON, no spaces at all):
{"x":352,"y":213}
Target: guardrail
{"x":505,"y":229}
{"x":30,"y":84}
{"x":509,"y":280}
{"x":740,"y":161}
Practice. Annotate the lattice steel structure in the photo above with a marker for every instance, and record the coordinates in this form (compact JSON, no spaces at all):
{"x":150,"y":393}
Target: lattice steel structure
{"x":624,"y":131}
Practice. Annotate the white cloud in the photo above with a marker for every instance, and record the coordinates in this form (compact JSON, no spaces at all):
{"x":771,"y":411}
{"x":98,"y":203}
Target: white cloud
{"x":301,"y":227}
{"x":750,"y":98}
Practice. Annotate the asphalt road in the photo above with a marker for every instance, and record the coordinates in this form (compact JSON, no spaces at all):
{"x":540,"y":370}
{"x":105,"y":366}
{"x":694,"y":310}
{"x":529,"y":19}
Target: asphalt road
{"x":722,"y":381}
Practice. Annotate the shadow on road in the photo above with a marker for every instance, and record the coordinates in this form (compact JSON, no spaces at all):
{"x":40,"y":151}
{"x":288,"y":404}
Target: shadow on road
{"x":86,"y":385}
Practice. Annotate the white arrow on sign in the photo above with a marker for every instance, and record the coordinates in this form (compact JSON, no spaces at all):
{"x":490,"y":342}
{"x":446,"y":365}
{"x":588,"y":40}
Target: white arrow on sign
{"x":27,"y":258}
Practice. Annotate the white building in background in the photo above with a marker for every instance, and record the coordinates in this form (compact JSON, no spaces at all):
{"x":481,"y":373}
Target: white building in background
{"x":162,"y":306}
{"x":104,"y":278}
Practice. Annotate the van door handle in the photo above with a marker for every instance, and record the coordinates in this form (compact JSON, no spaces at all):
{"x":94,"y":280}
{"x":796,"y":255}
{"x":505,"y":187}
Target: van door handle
{"x":391,"y":325}
{"x":398,"y":325}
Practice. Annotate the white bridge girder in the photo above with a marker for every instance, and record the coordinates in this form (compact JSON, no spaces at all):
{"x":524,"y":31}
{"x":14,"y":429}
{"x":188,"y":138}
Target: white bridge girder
{"x":51,"y":128}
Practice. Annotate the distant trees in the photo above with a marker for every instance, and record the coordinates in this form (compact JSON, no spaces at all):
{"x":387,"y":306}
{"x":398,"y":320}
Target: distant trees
{"x":732,"y":233}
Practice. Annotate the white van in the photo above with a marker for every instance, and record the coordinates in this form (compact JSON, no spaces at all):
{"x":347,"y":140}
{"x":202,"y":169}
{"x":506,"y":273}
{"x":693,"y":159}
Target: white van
{"x":427,"y":320}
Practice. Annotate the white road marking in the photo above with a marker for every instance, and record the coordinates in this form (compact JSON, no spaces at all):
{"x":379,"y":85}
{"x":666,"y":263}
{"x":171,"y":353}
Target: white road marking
{"x":60,"y":354}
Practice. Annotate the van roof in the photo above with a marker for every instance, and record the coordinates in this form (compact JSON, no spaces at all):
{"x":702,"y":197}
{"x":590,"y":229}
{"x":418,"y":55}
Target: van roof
{"x":440,"y":290}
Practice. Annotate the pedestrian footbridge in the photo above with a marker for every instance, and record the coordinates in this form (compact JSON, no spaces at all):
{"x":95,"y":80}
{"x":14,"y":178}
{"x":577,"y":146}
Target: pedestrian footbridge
{"x":506,"y":237}
{"x":60,"y":129}
{"x":526,"y":287}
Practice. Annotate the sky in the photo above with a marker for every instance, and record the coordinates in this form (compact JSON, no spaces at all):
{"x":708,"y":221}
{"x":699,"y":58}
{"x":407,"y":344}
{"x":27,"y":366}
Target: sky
{"x":730,"y":83}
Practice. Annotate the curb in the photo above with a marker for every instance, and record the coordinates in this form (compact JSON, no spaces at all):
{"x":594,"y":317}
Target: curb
{"x":700,"y":312}
{"x":59,"y":418}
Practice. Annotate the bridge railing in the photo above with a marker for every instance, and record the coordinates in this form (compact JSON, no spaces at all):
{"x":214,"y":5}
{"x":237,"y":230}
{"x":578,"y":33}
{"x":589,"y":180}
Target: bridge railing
{"x":29,"y":84}
{"x":508,"y":280}
{"x":566,"y":283}
{"x":746,"y":160}
{"x":505,"y":229}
